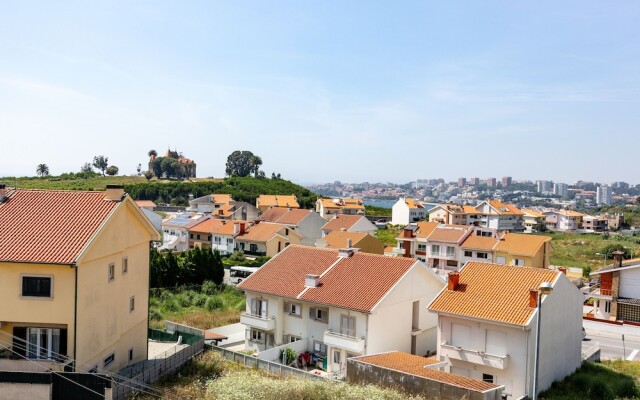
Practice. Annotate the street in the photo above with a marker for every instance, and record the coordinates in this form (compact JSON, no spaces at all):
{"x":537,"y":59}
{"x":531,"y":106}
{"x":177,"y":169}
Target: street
{"x":609,"y":337}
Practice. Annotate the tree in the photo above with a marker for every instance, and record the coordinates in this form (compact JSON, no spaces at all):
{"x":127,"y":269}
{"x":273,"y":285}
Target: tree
{"x":112,"y":170}
{"x":148,"y":175}
{"x":101,"y":163}
{"x":243,"y":163}
{"x":153,"y":153}
{"x":156,"y":167}
{"x":169,"y":166}
{"x":42,"y":170}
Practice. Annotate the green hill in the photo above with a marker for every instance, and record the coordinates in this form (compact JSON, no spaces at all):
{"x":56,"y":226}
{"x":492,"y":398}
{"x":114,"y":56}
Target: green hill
{"x":174,"y":192}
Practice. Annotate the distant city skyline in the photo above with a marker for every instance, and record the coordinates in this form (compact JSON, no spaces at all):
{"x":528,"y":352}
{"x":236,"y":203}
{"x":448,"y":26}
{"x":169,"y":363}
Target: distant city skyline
{"x":350,"y":91}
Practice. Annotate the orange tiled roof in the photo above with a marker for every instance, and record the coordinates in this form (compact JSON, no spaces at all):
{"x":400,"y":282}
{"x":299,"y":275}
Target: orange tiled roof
{"x":358,"y":282}
{"x":425,"y":229}
{"x":521,"y":243}
{"x":50,"y":226}
{"x":412,"y":203}
{"x":415,"y":365}
{"x":533,"y":213}
{"x":338,"y":239}
{"x":206,"y":226}
{"x":145,"y":203}
{"x":504,"y":208}
{"x":341,"y":221}
{"x":285,"y":216}
{"x":493,"y":292}
{"x":221,"y":198}
{"x":270,"y":200}
{"x":273,"y":214}
{"x":261,"y":232}
{"x":479,"y":242}
{"x":448,"y":233}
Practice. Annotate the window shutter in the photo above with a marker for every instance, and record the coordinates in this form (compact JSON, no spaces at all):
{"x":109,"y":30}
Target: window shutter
{"x":312,"y":313}
{"x":247,"y":334}
{"x":63,"y":342}
{"x":19,"y":340}
{"x":252,"y":311}
{"x":287,"y":307}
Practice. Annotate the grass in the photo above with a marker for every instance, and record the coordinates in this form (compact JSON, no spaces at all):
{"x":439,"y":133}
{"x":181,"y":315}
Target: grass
{"x":202,"y":307}
{"x":211,"y":377}
{"x":94,"y":183}
{"x":609,"y":380}
{"x":388,"y":236}
{"x":579,"y":250}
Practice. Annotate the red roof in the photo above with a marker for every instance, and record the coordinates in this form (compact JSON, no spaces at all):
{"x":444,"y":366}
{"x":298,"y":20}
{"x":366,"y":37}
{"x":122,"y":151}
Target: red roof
{"x":341,"y":221}
{"x":283,"y":215}
{"x":50,"y":226}
{"x":358,"y":282}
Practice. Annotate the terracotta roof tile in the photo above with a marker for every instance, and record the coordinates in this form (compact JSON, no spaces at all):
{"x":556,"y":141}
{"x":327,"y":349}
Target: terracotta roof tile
{"x":338,"y":239}
{"x":358,"y":282}
{"x":533,"y":213}
{"x":273,"y":214}
{"x":270,"y":200}
{"x":425,"y":229}
{"x":415,"y":365}
{"x":285,"y":216}
{"x":493,"y":292}
{"x":479,"y":242}
{"x":521,"y":244}
{"x":449,"y":233}
{"x":341,"y":221}
{"x":412,"y":203}
{"x":206,"y":226}
{"x":145,"y":203}
{"x":504,"y":208}
{"x":221,"y":198}
{"x":50,"y":226}
{"x":261,"y":232}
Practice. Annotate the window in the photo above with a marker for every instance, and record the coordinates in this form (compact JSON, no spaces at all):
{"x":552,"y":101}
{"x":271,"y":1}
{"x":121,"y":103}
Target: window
{"x":253,"y":247}
{"x":422,"y":247}
{"x":93,"y":369}
{"x":487,"y":378}
{"x":468,"y":253}
{"x":131,"y":354}
{"x":217,"y":239}
{"x":229,"y":241}
{"x":336,"y":356}
{"x":347,"y":325}
{"x":452,"y":263}
{"x":43,"y":343}
{"x":482,"y":255}
{"x":286,"y":232}
{"x":607,"y":306}
{"x":501,"y":260}
{"x":435,"y":249}
{"x":259,"y":307}
{"x":110,"y":358}
{"x":112,"y":271}
{"x":320,"y":348}
{"x":293,"y":309}
{"x":191,"y":236}
{"x":319,"y":314}
{"x":198,"y":236}
{"x":450,"y":251}
{"x":36,"y":286}
{"x":256,"y":336}
{"x":291,"y":338}
{"x":125,"y":265}
{"x":132,"y":303}
{"x":518,"y":262}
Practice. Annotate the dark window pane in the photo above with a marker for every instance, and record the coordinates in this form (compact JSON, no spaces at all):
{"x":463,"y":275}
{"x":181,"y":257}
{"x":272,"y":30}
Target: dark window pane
{"x":36,"y":286}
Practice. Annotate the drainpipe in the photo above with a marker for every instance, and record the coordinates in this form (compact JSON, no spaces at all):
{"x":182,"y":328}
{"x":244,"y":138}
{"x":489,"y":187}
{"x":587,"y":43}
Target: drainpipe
{"x":75,"y":317}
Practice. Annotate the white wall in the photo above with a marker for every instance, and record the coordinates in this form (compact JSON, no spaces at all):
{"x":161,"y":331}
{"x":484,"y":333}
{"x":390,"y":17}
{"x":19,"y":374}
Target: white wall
{"x":400,"y":213}
{"x":630,"y":283}
{"x":365,"y":226}
{"x":311,"y":229}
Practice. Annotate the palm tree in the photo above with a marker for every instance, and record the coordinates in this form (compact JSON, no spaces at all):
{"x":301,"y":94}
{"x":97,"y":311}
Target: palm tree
{"x":42,"y":170}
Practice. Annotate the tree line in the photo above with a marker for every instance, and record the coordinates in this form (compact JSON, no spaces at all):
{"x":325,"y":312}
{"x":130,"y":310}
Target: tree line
{"x":192,"y":267}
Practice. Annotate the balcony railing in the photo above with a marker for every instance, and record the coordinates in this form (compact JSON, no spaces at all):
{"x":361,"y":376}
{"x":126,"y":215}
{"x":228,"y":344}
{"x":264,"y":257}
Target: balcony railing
{"x":259,"y":322}
{"x":474,"y":356}
{"x":255,"y":253}
{"x":344,"y":339}
{"x":598,"y":293}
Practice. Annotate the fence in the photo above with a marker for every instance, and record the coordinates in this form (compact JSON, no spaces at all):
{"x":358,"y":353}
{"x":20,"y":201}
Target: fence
{"x":268,"y":366}
{"x":171,"y":361}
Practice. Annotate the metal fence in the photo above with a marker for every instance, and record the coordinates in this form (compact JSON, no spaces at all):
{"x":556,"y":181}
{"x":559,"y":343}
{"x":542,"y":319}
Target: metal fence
{"x":268,"y":366}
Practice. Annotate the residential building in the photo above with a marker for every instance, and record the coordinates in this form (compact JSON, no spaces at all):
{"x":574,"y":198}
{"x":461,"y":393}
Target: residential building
{"x":327,"y":208}
{"x":407,"y":210}
{"x":452,"y":214}
{"x":216,"y":234}
{"x":544,"y":187}
{"x":146,"y":204}
{"x":561,"y":189}
{"x":506,"y":181}
{"x":357,"y":240}
{"x":614,"y":221}
{"x":617,"y":295}
{"x":500,"y":216}
{"x":563,"y":220}
{"x":74,"y":279}
{"x":265,"y":201}
{"x":340,"y":304}
{"x":266,"y":239}
{"x":592,"y":223}
{"x":478,"y":248}
{"x":412,"y":242}
{"x":443,"y":246}
{"x":307,"y":223}
{"x":462,"y":182}
{"x":176,"y":230}
{"x":487,"y":321}
{"x":491,"y":182}
{"x":349,"y":223}
{"x":533,"y":221}
{"x":523,"y":250}
{"x":603,"y":195}
{"x":223,"y":206}
{"x":474,"y":181}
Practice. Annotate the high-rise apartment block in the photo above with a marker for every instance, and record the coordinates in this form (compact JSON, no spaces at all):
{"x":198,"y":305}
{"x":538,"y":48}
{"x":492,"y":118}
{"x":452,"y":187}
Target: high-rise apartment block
{"x":561,"y":189}
{"x":506,"y":181}
{"x":603,"y":195}
{"x":544,"y":186}
{"x":462,"y":182}
{"x":491,"y":182}
{"x":474,"y":181}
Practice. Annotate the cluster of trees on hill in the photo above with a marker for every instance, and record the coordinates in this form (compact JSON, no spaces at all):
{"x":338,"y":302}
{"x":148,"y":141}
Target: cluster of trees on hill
{"x":169,"y":166}
{"x":193,"y":267}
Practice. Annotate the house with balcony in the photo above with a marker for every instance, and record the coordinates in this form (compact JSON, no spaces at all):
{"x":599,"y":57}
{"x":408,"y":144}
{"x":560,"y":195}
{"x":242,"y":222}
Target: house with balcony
{"x":487,"y":321}
{"x":307,"y":223}
{"x":266,"y":201}
{"x":534,"y":221}
{"x":327,"y":208}
{"x":407,"y":210}
{"x":443,"y":247}
{"x":523,"y":250}
{"x":616,"y":291}
{"x":74,"y":280}
{"x":563,"y":220}
{"x":175,"y":230}
{"x":222,"y":206}
{"x":412,"y":242}
{"x":500,"y":216}
{"x":266,"y":238}
{"x":452,"y":214}
{"x":216,"y":234}
{"x":340,"y":304}
{"x":594,"y":224}
{"x":349,"y":223}
{"x":479,"y":248}
{"x":357,"y":240}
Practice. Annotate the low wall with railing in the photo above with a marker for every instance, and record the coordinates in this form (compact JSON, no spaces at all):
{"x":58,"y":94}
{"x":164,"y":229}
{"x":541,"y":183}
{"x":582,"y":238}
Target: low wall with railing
{"x":274,"y":353}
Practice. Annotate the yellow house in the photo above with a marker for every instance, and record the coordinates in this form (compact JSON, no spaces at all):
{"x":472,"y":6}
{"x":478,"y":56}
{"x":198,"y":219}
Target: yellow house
{"x":523,"y":250}
{"x":360,"y":240}
{"x":266,"y":201}
{"x":266,"y":238}
{"x":74,"y":273}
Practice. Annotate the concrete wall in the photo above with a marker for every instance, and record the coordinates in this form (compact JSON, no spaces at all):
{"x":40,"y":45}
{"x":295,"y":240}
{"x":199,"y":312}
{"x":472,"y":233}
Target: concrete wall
{"x":630,"y":283}
{"x":400,"y":213}
{"x":13,"y":391}
{"x":364,"y":374}
{"x":311,"y":229}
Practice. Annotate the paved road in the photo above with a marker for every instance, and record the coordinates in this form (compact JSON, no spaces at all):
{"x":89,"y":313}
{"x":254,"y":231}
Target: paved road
{"x":609,"y":337}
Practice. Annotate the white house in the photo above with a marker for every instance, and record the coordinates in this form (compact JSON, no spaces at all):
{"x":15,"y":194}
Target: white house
{"x":349,"y":223}
{"x":500,"y":216}
{"x":307,"y":223}
{"x":487,"y":321}
{"x":407,"y":210}
{"x":327,"y":208}
{"x":340,"y":303}
{"x":563,"y":220}
{"x":175,"y":231}
{"x":617,"y":296}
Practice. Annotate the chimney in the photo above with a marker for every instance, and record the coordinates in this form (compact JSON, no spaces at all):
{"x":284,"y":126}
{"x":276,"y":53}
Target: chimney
{"x":243,"y":227}
{"x":617,"y":258}
{"x":563,"y":270}
{"x":311,"y":280}
{"x":346,"y":253}
{"x":114,"y":192}
{"x":533,"y":298}
{"x":453,"y":281}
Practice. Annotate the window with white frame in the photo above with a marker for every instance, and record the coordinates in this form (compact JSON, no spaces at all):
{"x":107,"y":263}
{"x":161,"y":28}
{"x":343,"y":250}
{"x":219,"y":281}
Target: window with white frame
{"x":320,"y":348}
{"x":259,"y":307}
{"x":293,"y":309}
{"x":482,"y":255}
{"x":319,"y":314}
{"x":435,"y":249}
{"x":518,"y":262}
{"x":450,"y":251}
{"x":43,"y":343}
{"x":501,"y":260}
{"x":468,"y":253}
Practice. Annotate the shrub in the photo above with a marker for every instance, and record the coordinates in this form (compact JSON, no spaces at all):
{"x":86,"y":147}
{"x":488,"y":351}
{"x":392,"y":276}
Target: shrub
{"x":171,"y":305}
{"x":165,"y":295}
{"x":184,"y":300}
{"x":627,"y":389}
{"x":288,"y":354}
{"x":214,"y":303}
{"x":208,"y":287}
{"x":598,"y":389}
{"x":155,"y":315}
{"x":200,"y":300}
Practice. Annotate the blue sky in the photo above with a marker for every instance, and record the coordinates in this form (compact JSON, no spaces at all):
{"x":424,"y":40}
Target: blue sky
{"x":322,"y":91}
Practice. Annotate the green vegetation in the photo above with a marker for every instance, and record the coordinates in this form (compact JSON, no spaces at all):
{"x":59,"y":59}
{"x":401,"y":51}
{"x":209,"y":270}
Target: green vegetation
{"x":244,"y":163}
{"x":388,"y":236}
{"x":192,"y":267}
{"x":377,"y":211}
{"x":579,"y":250}
{"x":211,"y":377}
{"x":609,"y":380}
{"x":238,"y":258}
{"x":203,"y":306}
